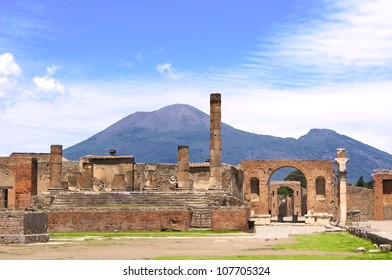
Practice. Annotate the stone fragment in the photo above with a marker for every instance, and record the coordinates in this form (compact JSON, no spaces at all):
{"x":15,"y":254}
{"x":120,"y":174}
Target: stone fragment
{"x":385,"y":247}
{"x":361,"y":249}
{"x":375,"y":251}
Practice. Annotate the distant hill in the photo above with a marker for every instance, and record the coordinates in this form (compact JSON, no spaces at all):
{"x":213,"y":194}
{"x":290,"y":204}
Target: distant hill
{"x":154,"y":137}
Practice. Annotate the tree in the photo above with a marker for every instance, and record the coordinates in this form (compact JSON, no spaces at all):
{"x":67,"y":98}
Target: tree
{"x":287,"y":191}
{"x":297,"y":175}
{"x":360,"y":182}
{"x":364,"y":184}
{"x":369,"y":184}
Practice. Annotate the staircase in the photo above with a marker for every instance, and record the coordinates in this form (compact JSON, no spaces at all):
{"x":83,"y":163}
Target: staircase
{"x":199,"y":203}
{"x":116,"y":200}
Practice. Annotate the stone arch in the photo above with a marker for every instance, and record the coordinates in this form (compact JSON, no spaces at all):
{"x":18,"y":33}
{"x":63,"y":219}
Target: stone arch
{"x":300,"y":198}
{"x":293,"y":203}
{"x":263,"y":169}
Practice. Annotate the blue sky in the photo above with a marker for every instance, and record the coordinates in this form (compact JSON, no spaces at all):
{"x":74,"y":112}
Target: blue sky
{"x":69,"y":69}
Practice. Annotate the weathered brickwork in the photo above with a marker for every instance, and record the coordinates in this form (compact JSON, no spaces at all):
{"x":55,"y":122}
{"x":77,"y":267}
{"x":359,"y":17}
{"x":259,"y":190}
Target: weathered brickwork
{"x":109,"y":220}
{"x":312,"y":169}
{"x":156,"y":177}
{"x":230,"y":219}
{"x":382,"y":194}
{"x":232,"y":180}
{"x":359,"y":204}
{"x":24,"y":176}
{"x":292,"y":205}
{"x":23,"y":227}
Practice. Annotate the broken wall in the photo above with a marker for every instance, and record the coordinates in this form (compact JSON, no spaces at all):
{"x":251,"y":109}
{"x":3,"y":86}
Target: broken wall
{"x":122,"y":220}
{"x":359,"y":200}
{"x":382,"y":194}
{"x":23,"y":227}
{"x":22,"y":171}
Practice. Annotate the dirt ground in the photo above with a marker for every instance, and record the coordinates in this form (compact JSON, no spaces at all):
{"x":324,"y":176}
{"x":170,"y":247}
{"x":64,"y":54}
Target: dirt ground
{"x":94,"y":248}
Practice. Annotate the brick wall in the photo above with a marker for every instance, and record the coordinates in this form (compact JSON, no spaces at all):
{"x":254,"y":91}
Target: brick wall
{"x":108,"y":220}
{"x":360,"y":199}
{"x":230,"y":219}
{"x":24,"y":176}
{"x":232,"y":180}
{"x":382,"y":208}
{"x":11,"y":222}
{"x":23,"y":227}
{"x":388,"y":212}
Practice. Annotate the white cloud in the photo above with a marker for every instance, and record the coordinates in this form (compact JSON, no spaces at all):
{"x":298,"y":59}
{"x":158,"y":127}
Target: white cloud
{"x":168,"y":69}
{"x":344,"y":41}
{"x":6,"y":85}
{"x":358,"y":32}
{"x":9,"y":71}
{"x":8,"y":66}
{"x":47,"y":83}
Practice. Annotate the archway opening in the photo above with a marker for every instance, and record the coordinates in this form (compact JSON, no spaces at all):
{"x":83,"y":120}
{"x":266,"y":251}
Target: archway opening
{"x":320,"y":188}
{"x":7,"y":182}
{"x":3,"y":198}
{"x":285,"y":203}
{"x":287,"y":195}
{"x":255,"y":189}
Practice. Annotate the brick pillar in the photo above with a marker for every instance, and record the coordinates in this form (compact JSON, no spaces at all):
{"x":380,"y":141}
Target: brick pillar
{"x":215,"y":142}
{"x":341,"y":162}
{"x":183,"y":175}
{"x":380,"y":178}
{"x":55,"y":166}
{"x":378,"y":207}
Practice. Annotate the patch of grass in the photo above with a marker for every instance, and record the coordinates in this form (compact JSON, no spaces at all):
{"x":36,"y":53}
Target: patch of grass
{"x":194,"y":233}
{"x":337,"y":246}
{"x":329,"y":242}
{"x":359,"y":256}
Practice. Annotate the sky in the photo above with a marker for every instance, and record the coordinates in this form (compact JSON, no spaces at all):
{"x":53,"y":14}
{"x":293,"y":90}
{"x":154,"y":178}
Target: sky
{"x":71,"y":68}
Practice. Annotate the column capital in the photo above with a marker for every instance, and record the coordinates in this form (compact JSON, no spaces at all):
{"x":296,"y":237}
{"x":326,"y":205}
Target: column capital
{"x":341,"y":163}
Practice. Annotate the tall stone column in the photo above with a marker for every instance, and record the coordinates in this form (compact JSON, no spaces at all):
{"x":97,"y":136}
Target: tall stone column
{"x":341,"y":162}
{"x":215,"y":142}
{"x":55,"y":167}
{"x":183,"y":175}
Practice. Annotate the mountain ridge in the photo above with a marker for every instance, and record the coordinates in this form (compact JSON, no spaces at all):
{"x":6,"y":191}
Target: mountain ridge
{"x":154,"y":137}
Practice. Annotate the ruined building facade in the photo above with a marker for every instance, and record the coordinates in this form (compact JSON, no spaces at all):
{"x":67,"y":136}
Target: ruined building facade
{"x":110,"y":192}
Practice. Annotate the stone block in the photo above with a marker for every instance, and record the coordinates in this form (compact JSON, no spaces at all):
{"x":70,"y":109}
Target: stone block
{"x":260,"y":220}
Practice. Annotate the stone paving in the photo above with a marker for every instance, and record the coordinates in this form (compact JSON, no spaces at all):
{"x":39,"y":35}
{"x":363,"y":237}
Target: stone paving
{"x":377,"y":231}
{"x":385,"y":226}
{"x":285,"y":230}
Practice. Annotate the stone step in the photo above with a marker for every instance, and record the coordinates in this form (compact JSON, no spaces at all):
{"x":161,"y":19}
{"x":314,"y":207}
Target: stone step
{"x":332,"y":228}
{"x":108,"y":199}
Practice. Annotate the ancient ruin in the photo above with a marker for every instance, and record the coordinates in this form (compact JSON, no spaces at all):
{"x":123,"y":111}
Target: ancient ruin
{"x":382,"y":194}
{"x":110,"y":192}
